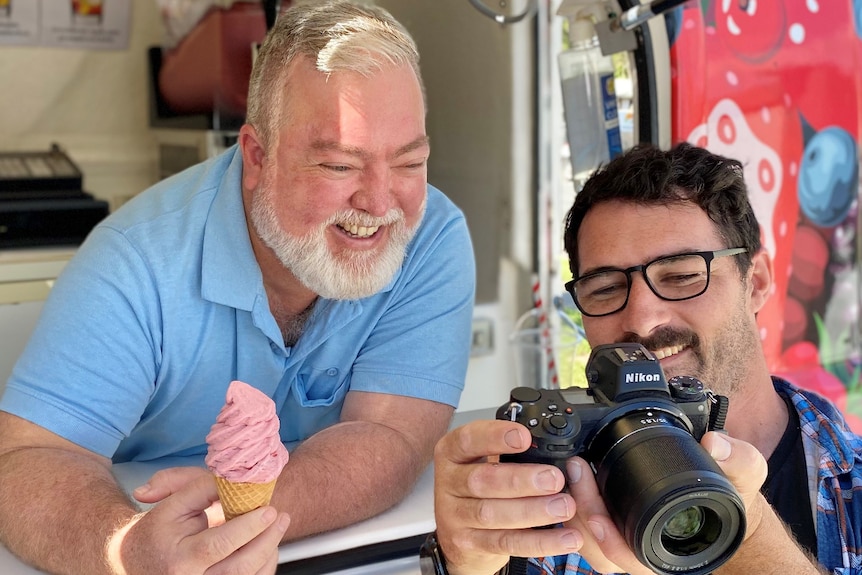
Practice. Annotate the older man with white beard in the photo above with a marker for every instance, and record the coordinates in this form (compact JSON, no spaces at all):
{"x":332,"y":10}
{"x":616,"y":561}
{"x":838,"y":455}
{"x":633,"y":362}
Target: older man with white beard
{"x":312,"y":261}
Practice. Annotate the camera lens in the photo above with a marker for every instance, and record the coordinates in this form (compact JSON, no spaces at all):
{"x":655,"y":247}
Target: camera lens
{"x":676,"y":509}
{"x":684,"y":525}
{"x":690,"y":531}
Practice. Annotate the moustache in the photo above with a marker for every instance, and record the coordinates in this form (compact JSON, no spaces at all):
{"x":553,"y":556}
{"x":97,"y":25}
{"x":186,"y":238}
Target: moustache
{"x":357,"y":218}
{"x":665,"y":337}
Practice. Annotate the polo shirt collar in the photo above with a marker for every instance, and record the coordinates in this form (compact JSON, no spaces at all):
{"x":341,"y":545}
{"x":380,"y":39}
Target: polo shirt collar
{"x":229,"y":270}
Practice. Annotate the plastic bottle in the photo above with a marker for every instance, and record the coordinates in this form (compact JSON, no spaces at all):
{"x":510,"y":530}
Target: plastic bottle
{"x":589,"y":99}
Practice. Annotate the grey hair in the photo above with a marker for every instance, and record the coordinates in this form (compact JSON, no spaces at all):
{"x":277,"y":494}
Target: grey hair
{"x":337,"y":36}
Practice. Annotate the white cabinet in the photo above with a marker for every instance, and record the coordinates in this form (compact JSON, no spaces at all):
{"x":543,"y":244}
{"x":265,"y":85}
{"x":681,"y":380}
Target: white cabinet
{"x":26,"y":277}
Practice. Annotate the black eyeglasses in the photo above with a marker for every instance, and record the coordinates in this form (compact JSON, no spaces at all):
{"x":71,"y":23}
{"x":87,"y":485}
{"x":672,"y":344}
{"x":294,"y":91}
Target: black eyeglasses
{"x":671,"y":278}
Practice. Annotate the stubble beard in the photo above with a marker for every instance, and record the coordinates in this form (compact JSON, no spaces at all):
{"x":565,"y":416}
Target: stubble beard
{"x":350,"y":275}
{"x":720,"y":363}
{"x":726,"y":364}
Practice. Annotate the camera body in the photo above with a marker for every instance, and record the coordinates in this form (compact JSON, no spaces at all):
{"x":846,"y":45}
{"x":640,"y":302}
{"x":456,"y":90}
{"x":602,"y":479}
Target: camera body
{"x":623,"y":378}
{"x":641,"y":434}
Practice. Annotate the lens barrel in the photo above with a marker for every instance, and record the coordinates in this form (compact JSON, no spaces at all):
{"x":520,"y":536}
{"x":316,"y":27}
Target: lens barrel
{"x":676,"y":509}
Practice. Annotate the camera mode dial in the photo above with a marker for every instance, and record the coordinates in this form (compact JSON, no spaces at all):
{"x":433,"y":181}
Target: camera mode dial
{"x":686,"y":388}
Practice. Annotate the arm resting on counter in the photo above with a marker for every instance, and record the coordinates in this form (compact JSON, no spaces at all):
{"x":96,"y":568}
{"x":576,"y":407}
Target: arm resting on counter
{"x":361,"y":466}
{"x":59,"y":503}
{"x":62,"y":511}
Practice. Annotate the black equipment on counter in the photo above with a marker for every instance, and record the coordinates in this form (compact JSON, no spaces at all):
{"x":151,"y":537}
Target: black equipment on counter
{"x":42,"y":201}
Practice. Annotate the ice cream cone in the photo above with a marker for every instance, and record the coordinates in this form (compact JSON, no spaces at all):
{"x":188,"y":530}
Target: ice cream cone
{"x":244,"y":449}
{"x":238,"y":498}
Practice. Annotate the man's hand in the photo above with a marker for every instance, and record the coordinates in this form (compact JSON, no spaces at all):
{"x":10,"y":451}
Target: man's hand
{"x":485,"y":510}
{"x":175,"y":535}
{"x":745,"y":467}
{"x":769,"y":545}
{"x":605,"y":547}
{"x":168,"y":481}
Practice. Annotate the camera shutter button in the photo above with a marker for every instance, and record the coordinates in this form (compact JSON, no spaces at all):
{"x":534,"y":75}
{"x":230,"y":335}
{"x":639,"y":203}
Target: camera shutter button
{"x":557,"y":424}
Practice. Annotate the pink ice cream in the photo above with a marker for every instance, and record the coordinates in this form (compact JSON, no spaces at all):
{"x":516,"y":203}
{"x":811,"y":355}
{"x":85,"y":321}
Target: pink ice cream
{"x":244,"y":444}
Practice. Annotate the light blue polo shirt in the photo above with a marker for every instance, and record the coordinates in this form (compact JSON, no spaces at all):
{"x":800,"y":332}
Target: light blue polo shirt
{"x":163,"y":306}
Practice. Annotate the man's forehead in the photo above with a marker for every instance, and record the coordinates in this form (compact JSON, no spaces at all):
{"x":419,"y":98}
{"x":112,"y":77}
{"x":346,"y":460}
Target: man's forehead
{"x":341,"y":112}
{"x":622,"y":234}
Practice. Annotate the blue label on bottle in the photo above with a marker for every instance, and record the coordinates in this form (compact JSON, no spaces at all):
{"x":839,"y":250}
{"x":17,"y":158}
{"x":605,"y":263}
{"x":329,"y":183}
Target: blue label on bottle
{"x":612,"y":120}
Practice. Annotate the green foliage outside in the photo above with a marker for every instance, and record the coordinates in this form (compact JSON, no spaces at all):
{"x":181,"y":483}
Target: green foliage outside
{"x":572,"y":365}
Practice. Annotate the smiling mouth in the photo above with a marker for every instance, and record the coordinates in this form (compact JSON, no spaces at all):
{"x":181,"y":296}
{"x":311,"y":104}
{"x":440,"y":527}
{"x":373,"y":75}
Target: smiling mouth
{"x":668,"y":351}
{"x":359,"y":231}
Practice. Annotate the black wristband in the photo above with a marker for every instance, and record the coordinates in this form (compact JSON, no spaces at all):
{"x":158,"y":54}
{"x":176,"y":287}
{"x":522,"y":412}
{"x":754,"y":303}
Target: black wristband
{"x":431,"y":560}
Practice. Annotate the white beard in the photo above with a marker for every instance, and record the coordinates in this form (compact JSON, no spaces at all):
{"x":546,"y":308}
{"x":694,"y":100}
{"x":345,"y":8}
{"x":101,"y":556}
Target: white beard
{"x":348,"y":276}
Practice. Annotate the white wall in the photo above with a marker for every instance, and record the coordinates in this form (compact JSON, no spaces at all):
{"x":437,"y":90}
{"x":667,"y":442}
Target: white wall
{"x":480,"y":87}
{"x":491,"y":377}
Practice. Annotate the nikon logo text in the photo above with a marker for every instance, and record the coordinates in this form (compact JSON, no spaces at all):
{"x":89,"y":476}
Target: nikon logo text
{"x":641,"y":377}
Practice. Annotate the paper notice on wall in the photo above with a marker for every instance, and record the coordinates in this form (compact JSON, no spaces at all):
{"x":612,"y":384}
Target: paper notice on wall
{"x":82,"y":24}
{"x":19,"y":22}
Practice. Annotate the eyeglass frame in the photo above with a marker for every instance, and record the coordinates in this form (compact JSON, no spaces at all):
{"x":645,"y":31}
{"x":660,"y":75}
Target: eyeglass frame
{"x":707,"y":256}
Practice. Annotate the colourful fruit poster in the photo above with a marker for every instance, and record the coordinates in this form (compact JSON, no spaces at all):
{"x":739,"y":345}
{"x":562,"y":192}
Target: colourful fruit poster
{"x":778,"y":86}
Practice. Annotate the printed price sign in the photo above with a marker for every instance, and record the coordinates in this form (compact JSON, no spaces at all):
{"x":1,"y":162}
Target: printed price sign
{"x":86,"y":24}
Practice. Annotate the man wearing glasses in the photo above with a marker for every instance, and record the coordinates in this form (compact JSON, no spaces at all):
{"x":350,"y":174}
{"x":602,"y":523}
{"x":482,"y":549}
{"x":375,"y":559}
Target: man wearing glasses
{"x":665,"y":251}
{"x":672,"y":278}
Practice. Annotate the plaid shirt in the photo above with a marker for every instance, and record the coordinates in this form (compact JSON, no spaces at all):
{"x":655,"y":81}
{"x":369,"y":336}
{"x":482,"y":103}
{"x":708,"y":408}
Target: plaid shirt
{"x":833,"y":455}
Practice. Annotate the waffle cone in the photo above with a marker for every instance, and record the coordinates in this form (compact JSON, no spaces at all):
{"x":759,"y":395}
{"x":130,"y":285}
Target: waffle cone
{"x":238,"y":498}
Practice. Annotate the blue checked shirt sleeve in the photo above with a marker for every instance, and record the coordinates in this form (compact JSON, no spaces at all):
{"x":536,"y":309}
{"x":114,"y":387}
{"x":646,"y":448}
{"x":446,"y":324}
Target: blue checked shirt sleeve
{"x":837,"y":462}
{"x":571,"y":564}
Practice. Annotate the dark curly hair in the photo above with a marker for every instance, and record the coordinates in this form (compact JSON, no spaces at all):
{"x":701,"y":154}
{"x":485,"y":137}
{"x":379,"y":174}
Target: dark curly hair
{"x":685,"y":173}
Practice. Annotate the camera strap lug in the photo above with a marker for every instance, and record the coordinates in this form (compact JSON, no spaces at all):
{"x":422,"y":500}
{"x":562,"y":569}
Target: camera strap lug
{"x":718,"y":413}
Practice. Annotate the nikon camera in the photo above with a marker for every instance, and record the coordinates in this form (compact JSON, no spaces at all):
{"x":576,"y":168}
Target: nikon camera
{"x":673,"y":504}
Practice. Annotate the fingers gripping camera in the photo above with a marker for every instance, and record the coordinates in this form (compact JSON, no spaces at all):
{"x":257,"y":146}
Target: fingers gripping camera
{"x":641,"y":433}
